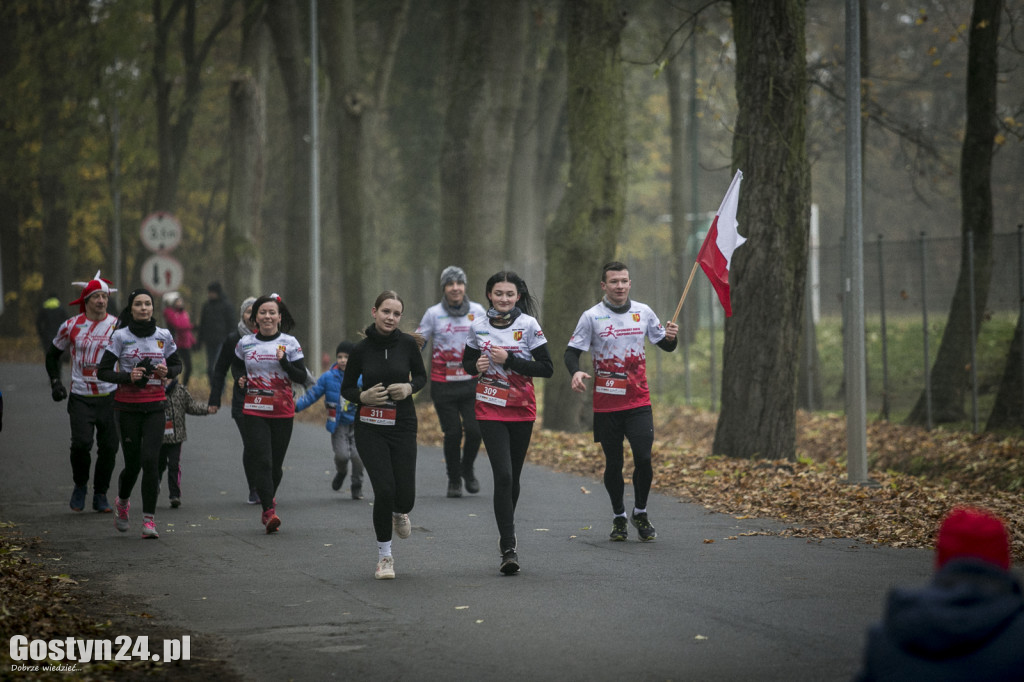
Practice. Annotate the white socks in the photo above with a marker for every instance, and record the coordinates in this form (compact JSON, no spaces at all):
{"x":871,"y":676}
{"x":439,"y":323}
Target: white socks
{"x":383,"y":549}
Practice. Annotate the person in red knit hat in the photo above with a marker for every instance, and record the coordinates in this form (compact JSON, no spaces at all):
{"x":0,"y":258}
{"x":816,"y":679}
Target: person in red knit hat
{"x":968,"y":623}
{"x":91,"y":404}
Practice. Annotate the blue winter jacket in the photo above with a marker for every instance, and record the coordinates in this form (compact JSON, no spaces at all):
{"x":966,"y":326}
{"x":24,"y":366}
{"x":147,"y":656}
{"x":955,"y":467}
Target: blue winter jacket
{"x":329,"y":386}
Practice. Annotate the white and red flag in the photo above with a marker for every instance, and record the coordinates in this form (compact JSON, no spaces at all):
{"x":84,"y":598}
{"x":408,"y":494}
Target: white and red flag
{"x":722,"y":239}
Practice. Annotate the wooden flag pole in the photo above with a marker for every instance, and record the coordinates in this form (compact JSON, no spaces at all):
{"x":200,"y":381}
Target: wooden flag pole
{"x":686,"y":290}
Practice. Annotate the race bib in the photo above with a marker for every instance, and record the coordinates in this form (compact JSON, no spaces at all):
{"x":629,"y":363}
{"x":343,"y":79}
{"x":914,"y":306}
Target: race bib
{"x":454,"y":371}
{"x":259,"y":400}
{"x":610,"y":383}
{"x":381,"y":415}
{"x":493,"y":391}
{"x":168,"y":425}
{"x":89,"y":374}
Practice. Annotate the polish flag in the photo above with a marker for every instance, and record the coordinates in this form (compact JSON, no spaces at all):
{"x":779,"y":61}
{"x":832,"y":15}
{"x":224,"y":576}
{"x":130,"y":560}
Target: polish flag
{"x":722,"y":239}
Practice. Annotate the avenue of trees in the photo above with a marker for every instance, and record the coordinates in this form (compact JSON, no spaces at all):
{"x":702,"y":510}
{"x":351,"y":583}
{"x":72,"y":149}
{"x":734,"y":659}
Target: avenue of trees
{"x":544,"y":136}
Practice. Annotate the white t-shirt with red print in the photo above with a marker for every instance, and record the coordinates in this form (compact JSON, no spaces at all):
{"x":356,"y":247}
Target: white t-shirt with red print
{"x":87,"y":339}
{"x":449,"y":334}
{"x":268,"y":390}
{"x":616,"y":343}
{"x":501,"y":394}
{"x":130,"y":351}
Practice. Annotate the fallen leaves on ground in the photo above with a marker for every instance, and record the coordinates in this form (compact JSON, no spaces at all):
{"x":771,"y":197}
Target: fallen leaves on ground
{"x":918,"y":475}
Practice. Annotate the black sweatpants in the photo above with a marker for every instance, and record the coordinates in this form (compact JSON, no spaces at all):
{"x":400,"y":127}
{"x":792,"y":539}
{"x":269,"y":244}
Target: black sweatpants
{"x":170,"y":461}
{"x":506,"y":443}
{"x":455,"y":403}
{"x":142,"y":433}
{"x":389,"y":457}
{"x":88,"y":414}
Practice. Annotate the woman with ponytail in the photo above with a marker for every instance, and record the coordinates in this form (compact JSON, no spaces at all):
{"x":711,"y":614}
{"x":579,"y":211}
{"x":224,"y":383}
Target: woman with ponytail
{"x":144,"y":354}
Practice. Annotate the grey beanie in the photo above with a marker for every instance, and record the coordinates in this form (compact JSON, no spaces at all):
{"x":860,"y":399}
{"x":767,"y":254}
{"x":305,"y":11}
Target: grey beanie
{"x":452,"y":273}
{"x":245,"y":304}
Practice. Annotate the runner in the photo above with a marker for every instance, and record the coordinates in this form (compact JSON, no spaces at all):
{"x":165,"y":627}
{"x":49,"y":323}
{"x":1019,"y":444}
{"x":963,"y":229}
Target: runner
{"x":144,"y":354}
{"x":614,"y":331}
{"x":508,"y":349}
{"x":453,"y":391}
{"x":391,"y":367}
{"x":91,"y":405}
{"x":271,"y":359}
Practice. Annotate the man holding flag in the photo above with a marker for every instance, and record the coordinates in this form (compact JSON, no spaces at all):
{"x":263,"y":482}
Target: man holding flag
{"x":614,"y":331}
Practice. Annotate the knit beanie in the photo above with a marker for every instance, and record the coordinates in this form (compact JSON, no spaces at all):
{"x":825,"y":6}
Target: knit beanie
{"x":968,"y":532}
{"x":452,"y":273}
{"x":345,"y":347}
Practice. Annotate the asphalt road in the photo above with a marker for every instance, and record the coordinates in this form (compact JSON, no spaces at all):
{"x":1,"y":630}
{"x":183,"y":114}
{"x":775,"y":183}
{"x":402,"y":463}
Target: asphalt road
{"x":302,"y":604}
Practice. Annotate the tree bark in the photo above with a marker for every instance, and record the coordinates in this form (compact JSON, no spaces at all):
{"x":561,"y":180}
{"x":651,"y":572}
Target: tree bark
{"x":478,"y":137}
{"x":589,"y":219}
{"x":1008,"y":410}
{"x":247,"y":153}
{"x":767,"y":275}
{"x":951,"y":371}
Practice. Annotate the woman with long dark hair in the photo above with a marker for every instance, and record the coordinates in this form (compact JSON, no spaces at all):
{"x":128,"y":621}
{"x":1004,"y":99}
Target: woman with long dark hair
{"x":271,"y":360}
{"x":144,"y":355}
{"x":391,"y":367}
{"x":508,"y":349}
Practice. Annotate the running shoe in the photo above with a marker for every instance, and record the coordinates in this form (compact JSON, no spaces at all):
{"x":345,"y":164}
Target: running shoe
{"x":509,"y":562}
{"x":121,"y":508}
{"x":402,"y":525}
{"x":620,"y":530}
{"x":149,"y":530}
{"x":254,"y":497}
{"x":357,"y":492}
{"x":339,"y":478}
{"x":271,"y":521}
{"x":472,"y":485}
{"x":385,"y":569}
{"x":78,"y":497}
{"x":175,"y":502}
{"x":100,"y":504}
{"x":644,"y":527}
{"x":454,"y":487}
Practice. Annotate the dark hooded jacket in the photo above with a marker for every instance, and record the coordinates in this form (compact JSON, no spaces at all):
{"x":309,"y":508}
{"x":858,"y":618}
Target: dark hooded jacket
{"x":968,"y":624}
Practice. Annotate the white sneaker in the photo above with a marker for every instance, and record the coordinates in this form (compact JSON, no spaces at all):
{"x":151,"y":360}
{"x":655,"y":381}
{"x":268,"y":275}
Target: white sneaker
{"x":385,"y":569}
{"x":402,"y":525}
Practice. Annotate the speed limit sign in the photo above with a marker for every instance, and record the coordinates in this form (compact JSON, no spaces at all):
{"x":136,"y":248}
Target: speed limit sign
{"x":161,"y":232}
{"x":162,"y":273}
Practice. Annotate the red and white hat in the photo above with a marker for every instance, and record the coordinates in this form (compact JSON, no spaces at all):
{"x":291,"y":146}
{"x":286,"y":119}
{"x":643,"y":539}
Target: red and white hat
{"x":89,"y":288}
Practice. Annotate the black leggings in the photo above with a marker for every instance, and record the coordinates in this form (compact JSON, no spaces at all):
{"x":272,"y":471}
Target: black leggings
{"x":455,"y":404}
{"x":142,"y":433}
{"x":506,"y":443}
{"x":266,"y":443}
{"x":389,"y":457}
{"x":240,"y":423}
{"x":636,"y":426}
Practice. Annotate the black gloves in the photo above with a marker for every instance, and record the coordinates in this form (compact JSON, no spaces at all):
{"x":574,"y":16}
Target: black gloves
{"x":57,"y":390}
{"x":147,"y":371}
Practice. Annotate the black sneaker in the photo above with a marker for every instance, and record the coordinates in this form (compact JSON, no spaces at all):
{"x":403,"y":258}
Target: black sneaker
{"x":619,"y":529}
{"x":472,"y":485}
{"x":454,"y":487}
{"x":509,"y":562}
{"x":339,"y":478}
{"x":644,"y":527}
{"x":357,"y":492}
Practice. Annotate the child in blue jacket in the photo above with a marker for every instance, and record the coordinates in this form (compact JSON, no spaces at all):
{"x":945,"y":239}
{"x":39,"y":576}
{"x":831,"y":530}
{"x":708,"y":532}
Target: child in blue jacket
{"x":341,"y":416}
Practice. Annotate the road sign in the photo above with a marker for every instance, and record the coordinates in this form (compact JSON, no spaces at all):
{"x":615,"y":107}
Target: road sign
{"x":161,"y":232}
{"x":161,"y":273}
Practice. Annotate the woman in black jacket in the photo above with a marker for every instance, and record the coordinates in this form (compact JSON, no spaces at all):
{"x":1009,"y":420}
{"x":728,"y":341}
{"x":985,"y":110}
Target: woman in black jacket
{"x":389,"y":363}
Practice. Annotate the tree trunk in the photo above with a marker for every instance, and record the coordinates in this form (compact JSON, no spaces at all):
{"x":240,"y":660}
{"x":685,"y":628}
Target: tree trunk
{"x":247,"y":152}
{"x":758,"y":415}
{"x":289,"y":31}
{"x":478,"y":137}
{"x":1008,"y":411}
{"x":951,"y":371}
{"x":589,"y":219}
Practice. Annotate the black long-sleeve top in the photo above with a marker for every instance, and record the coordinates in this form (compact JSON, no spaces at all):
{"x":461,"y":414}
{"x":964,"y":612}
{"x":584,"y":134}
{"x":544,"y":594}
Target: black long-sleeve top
{"x":386,"y":360}
{"x":571,"y":358}
{"x":295,"y":370}
{"x":220,"y":372}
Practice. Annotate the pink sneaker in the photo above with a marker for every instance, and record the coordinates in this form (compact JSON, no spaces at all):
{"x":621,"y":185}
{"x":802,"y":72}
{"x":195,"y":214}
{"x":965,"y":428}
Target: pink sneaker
{"x":121,"y":508}
{"x":149,"y":529}
{"x":271,"y":521}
